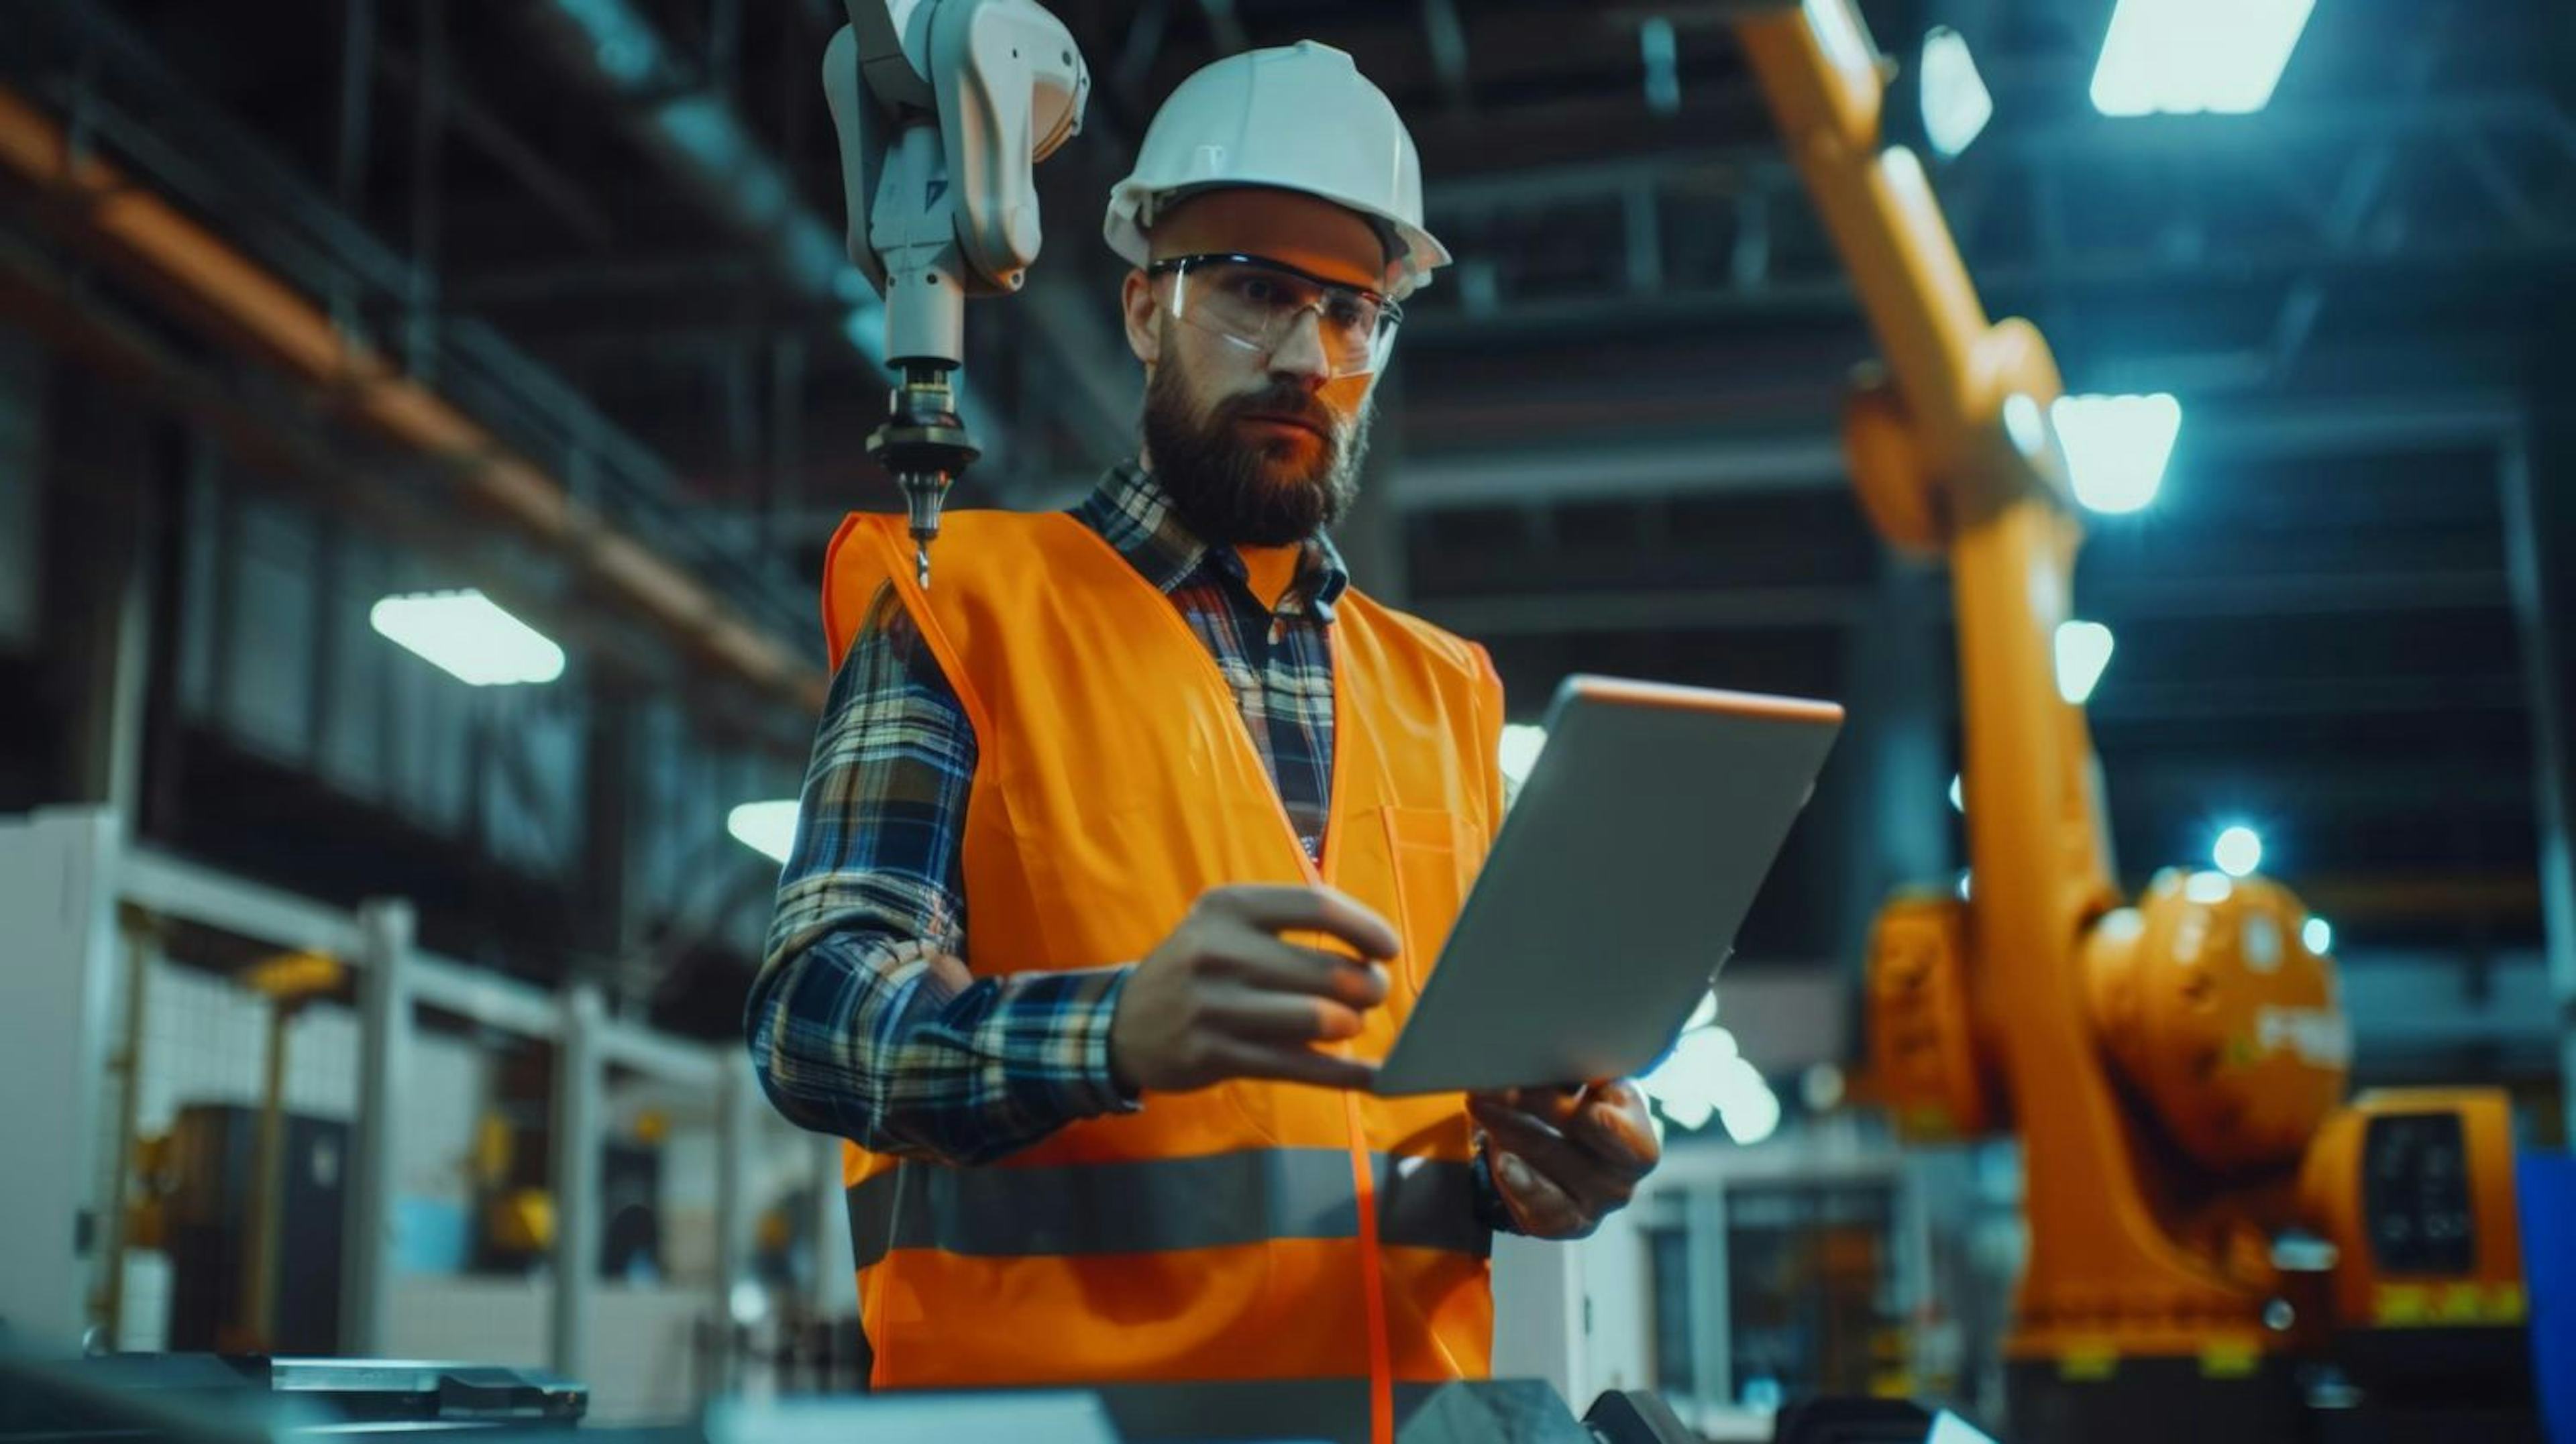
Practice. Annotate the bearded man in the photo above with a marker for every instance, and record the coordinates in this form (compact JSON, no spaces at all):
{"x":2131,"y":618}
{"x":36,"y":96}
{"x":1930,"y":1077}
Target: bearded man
{"x":1127,"y":847}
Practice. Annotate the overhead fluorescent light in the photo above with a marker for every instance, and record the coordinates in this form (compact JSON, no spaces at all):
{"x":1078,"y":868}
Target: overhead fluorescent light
{"x":2083,"y":650}
{"x":469,"y":636}
{"x":1958,"y":794}
{"x":768,"y":828}
{"x":2189,"y":56}
{"x":2117,"y":446}
{"x":2318,"y":935}
{"x":1956,"y":103}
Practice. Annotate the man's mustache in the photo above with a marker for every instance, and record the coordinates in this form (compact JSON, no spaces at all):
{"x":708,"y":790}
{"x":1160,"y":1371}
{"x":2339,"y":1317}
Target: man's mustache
{"x":1287,"y":401}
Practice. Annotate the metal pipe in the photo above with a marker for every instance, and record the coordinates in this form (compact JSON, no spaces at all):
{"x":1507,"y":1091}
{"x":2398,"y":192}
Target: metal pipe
{"x":428,"y":130}
{"x":2538,"y":527}
{"x":257,"y":1327}
{"x":357,"y":99}
{"x":474,"y":121}
{"x":385,"y":927}
{"x":222,"y":292}
{"x":578,"y":1067}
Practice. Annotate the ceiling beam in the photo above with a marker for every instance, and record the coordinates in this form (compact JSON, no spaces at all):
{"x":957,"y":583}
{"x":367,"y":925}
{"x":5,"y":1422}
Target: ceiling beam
{"x":1442,"y":481}
{"x":1744,"y":463}
{"x":1447,"y":36}
{"x":1225,"y":27}
{"x":2182,"y":596}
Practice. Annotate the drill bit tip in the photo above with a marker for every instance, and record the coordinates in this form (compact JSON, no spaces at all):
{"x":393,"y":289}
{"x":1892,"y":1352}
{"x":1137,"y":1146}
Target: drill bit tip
{"x":921,"y":565}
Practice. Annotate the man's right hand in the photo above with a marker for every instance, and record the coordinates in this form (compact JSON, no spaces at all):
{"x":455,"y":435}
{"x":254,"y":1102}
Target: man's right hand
{"x":1225,"y":997}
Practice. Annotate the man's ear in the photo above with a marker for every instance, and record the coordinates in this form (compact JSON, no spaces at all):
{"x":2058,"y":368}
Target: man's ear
{"x":1138,"y":308}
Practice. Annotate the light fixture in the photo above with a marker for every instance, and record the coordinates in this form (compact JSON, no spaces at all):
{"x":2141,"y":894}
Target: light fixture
{"x":2188,"y":56}
{"x":768,"y":828}
{"x":2083,"y":650}
{"x":1522,"y":742}
{"x":1707,"y":1076}
{"x":1956,"y":104}
{"x":1958,"y":798}
{"x":1685,"y":1086}
{"x":469,"y":636}
{"x":2116,"y":447}
{"x":1748,"y":1107}
{"x":2238,"y":851}
{"x":1660,"y":49}
{"x":1821,"y":1087}
{"x":2318,"y":935}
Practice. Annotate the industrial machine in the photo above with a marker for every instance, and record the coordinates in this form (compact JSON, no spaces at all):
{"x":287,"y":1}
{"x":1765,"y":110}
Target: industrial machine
{"x":2206,"y":1222}
{"x":943,"y":109}
{"x":238,"y":1175}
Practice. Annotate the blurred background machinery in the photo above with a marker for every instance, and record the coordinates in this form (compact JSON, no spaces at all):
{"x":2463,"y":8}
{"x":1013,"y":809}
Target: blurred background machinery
{"x":329,"y":339}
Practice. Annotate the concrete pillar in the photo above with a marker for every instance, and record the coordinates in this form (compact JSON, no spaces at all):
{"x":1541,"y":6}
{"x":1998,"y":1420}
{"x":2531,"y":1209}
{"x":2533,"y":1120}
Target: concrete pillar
{"x":737,"y":1103}
{"x":836,"y":1270}
{"x":1711,"y":1307}
{"x":1538,"y":1313}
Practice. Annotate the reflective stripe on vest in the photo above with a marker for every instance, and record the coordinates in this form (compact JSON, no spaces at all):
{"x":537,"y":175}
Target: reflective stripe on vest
{"x":1160,"y":1205}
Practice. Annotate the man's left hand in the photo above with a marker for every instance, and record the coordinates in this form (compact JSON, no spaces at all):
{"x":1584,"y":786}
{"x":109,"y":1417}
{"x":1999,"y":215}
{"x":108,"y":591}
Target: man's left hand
{"x":1566,"y":1158}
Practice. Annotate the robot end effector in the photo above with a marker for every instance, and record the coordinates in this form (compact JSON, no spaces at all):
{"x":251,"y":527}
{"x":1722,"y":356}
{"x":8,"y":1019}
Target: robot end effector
{"x":943,"y":108}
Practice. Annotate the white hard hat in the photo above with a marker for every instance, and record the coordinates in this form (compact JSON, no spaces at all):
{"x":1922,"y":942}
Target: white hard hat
{"x":1298,"y":117}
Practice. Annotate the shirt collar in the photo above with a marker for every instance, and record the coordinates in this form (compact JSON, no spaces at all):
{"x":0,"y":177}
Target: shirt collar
{"x":1133,"y":514}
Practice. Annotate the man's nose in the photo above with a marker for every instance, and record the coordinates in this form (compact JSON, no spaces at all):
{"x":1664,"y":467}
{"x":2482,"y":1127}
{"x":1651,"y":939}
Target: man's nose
{"x":1300,"y":352}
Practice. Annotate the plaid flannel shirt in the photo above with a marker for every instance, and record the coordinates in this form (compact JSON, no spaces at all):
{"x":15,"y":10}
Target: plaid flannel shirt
{"x":854,"y":1030}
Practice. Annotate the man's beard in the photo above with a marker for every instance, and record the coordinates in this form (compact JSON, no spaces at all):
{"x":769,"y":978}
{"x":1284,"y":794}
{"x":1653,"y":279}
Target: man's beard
{"x":1231,"y":491}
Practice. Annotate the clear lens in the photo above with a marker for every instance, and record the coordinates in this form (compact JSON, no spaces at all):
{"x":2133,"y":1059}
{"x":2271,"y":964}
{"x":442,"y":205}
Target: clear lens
{"x":1258,"y":307}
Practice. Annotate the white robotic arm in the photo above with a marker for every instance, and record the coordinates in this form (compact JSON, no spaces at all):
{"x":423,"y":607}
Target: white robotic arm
{"x":943,"y":109}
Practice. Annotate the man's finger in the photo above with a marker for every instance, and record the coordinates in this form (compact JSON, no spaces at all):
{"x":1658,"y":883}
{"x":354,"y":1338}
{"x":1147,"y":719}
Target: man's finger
{"x":1539,"y":1206}
{"x":1269,"y":1017}
{"x":1612,"y":1122}
{"x":1295,"y":1065}
{"x":1267,"y":963}
{"x":1336,"y":914}
{"x":1553,"y":1155}
{"x":1557,"y":1103}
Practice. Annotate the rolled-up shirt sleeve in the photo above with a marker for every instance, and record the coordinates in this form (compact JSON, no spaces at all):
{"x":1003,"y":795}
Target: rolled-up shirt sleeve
{"x":864,"y":1022}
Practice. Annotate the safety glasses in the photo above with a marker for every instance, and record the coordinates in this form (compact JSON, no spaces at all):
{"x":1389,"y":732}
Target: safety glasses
{"x":1256,"y":303}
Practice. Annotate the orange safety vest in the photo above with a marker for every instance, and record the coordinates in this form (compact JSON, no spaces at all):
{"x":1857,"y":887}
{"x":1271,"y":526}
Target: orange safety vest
{"x":1247,"y":1232}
